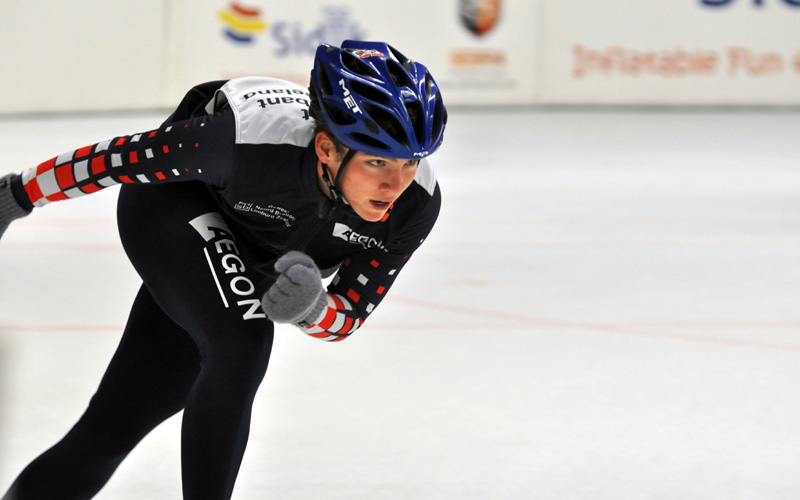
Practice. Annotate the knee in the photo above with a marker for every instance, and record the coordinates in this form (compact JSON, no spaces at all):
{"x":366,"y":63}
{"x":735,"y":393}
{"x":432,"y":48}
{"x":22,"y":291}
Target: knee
{"x":107,"y":436}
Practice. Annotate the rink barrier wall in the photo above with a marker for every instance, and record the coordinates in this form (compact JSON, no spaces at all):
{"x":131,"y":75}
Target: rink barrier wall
{"x":88,"y":55}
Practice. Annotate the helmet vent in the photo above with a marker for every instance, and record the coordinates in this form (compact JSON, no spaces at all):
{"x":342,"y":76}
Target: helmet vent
{"x":399,"y":75}
{"x":369,"y":141}
{"x":387,"y":122}
{"x":439,"y":117}
{"x":339,"y":117}
{"x":357,"y":66}
{"x":372,"y":126}
{"x":416,"y":115}
{"x":323,"y":82}
{"x":428,"y":85}
{"x":400,"y":57}
{"x":371,"y":93}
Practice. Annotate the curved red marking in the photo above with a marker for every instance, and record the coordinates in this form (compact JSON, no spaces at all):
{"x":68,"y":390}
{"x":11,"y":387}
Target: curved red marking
{"x":245,"y":11}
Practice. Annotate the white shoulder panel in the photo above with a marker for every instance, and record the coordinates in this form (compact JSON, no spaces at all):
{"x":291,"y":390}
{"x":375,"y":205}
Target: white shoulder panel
{"x":269,"y":111}
{"x":426,"y":176}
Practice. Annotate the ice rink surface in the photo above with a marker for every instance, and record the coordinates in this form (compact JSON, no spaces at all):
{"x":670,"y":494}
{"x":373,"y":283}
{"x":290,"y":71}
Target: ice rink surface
{"x":608,"y":308}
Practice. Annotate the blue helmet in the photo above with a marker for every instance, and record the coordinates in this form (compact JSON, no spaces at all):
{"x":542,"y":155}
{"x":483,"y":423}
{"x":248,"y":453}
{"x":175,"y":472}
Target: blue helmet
{"x":377,"y":101}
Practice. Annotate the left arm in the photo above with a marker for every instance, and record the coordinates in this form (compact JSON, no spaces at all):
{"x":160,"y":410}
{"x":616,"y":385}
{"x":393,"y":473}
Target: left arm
{"x":364,"y":279}
{"x":361,"y":283}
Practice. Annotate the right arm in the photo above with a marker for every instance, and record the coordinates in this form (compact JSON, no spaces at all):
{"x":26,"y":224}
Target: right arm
{"x":200,"y":148}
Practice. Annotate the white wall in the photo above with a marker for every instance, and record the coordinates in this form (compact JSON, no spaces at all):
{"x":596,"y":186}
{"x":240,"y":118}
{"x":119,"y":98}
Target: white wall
{"x":81,"y":55}
{"x":93,"y":55}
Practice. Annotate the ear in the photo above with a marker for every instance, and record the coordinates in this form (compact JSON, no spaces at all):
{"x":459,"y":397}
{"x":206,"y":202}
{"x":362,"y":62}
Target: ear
{"x":325,"y":148}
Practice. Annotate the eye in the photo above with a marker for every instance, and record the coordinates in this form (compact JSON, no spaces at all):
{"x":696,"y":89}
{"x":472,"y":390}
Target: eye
{"x":377,"y":163}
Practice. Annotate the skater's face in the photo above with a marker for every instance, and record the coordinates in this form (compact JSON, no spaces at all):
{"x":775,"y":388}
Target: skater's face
{"x":370,"y":184}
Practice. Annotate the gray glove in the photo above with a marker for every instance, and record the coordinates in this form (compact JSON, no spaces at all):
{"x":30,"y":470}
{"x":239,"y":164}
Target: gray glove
{"x":9,"y":208}
{"x":297,"y":297}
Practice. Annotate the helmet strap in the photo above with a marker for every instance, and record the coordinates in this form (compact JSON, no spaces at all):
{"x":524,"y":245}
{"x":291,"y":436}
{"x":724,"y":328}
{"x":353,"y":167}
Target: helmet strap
{"x":335,"y":187}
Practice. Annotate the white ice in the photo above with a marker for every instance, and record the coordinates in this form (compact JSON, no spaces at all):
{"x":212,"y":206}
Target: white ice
{"x":607,"y":309}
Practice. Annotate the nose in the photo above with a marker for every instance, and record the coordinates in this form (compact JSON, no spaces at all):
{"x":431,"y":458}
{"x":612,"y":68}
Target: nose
{"x":393,"y":181}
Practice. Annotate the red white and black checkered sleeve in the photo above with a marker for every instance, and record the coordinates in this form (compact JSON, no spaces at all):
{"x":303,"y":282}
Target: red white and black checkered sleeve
{"x":197,"y":149}
{"x":365,"y":277}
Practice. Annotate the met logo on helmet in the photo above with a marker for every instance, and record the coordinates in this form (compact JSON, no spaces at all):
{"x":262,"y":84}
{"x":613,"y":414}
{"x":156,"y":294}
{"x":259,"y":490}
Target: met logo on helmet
{"x":348,"y":99}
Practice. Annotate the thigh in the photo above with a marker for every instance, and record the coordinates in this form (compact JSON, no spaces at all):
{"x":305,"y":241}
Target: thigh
{"x":188,"y":259}
{"x":146,"y":382}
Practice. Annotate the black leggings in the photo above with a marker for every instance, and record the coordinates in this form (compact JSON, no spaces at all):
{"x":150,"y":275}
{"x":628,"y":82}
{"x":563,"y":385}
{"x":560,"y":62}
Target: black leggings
{"x":195,"y":340}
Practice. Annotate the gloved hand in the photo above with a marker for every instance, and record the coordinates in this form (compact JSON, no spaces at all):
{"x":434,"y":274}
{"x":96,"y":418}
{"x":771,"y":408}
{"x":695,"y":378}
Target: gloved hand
{"x":297,"y":297}
{"x":9,"y":208}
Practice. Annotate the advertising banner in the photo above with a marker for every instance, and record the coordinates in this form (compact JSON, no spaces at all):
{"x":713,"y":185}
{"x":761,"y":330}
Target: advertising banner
{"x":116,"y":56}
{"x":479,"y":51}
{"x":671,"y":52}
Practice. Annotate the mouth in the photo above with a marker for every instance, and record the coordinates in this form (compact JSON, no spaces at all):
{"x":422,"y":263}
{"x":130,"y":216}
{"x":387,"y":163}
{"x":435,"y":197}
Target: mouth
{"x":380,"y":205}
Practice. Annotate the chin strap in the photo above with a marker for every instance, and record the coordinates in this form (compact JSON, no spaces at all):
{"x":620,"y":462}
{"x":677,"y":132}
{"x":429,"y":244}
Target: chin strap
{"x":335,"y":187}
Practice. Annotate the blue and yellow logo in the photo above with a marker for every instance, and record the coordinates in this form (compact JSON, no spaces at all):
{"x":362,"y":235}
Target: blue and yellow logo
{"x":242,"y":23}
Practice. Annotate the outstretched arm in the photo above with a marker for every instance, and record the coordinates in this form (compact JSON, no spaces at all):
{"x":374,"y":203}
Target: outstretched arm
{"x":200,"y":148}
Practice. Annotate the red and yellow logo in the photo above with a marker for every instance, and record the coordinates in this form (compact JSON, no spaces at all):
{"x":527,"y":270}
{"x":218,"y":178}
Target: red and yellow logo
{"x":241,"y":23}
{"x":479,"y":16}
